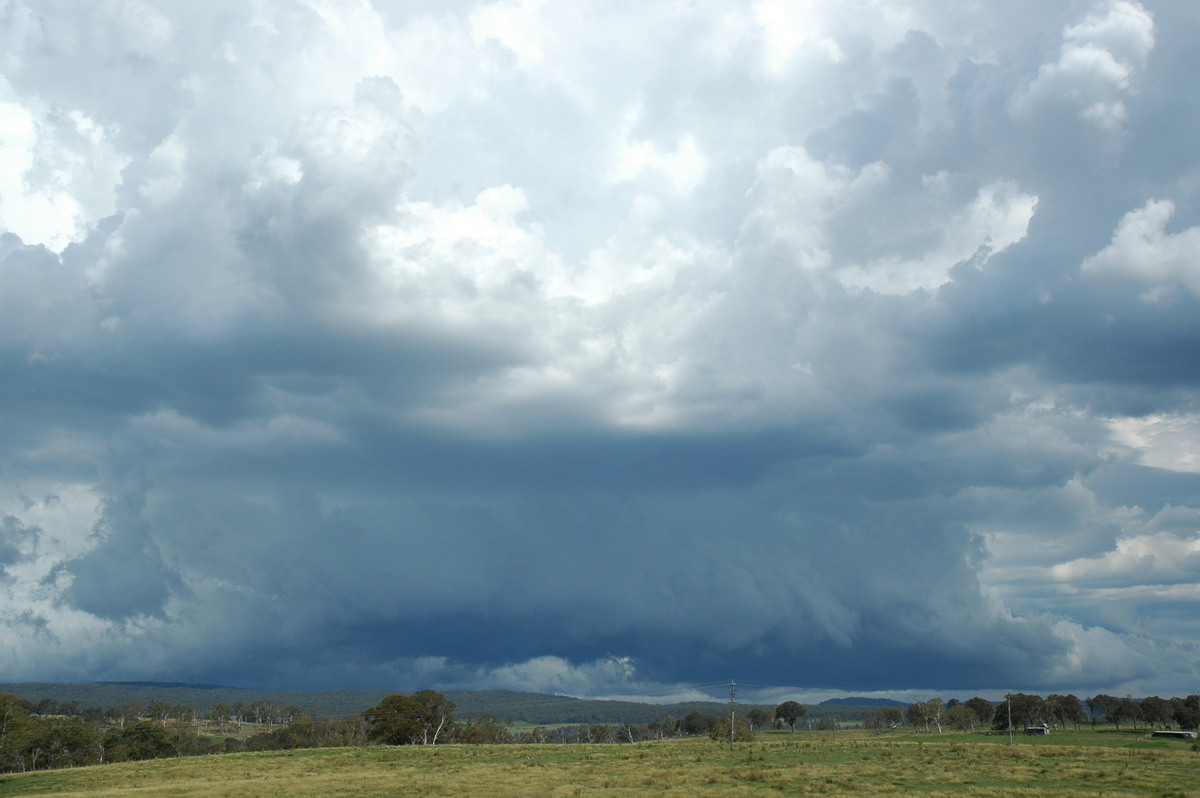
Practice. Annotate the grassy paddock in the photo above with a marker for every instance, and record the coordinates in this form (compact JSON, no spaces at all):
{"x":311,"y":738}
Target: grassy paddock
{"x":842,"y":763}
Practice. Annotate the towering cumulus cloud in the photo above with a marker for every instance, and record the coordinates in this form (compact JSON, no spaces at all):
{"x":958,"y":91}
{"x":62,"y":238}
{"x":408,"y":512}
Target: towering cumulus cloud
{"x":602,"y":349}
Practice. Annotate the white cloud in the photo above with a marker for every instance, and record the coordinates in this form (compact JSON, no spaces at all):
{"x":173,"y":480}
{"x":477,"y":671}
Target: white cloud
{"x":1098,"y":656}
{"x":1170,"y":441}
{"x":438,"y":63}
{"x":790,"y":28}
{"x":58,"y":171}
{"x":995,"y":219}
{"x":165,"y":167}
{"x":138,"y":29}
{"x":831,"y":219}
{"x":795,"y":196}
{"x":684,"y":167}
{"x":1143,"y":251}
{"x":1139,"y":560}
{"x":516,"y":25}
{"x":1097,"y":66}
{"x":1125,"y":28}
{"x":557,"y":675}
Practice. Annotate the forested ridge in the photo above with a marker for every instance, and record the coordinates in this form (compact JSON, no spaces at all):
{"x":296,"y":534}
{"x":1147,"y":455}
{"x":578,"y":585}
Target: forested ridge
{"x":48,"y":733}
{"x":511,"y":704}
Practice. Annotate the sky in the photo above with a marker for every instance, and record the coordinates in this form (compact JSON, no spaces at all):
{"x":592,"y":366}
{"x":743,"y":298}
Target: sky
{"x":602,"y":348}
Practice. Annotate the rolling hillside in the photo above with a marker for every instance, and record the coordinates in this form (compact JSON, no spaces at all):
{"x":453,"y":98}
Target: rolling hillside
{"x":540,"y":708}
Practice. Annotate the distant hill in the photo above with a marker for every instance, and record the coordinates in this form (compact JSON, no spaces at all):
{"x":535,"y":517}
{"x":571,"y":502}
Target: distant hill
{"x":188,"y":685}
{"x":537,"y":708}
{"x":860,"y":701}
{"x":541,"y":708}
{"x":547,"y":708}
{"x":330,"y":703}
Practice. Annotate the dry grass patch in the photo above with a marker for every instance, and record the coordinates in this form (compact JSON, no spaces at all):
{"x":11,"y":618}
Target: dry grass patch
{"x":829,"y":765}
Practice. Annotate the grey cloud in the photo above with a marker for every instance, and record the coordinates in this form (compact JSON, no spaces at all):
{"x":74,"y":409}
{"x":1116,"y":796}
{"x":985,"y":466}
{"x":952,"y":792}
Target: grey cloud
{"x":17,"y":542}
{"x":1151,"y":488}
{"x":124,"y":575}
{"x":874,"y":133}
{"x":1121,"y":354}
{"x":782,"y":574}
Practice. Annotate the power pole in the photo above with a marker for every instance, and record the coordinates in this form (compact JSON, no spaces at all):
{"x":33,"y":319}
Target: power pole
{"x":1010,"y":728}
{"x":732,"y":693}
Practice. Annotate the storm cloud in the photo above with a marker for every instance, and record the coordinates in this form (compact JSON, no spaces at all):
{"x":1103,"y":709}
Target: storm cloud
{"x":607,"y":350}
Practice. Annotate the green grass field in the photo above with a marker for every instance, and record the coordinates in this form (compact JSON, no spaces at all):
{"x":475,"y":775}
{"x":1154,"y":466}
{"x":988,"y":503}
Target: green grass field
{"x":1084,"y":763}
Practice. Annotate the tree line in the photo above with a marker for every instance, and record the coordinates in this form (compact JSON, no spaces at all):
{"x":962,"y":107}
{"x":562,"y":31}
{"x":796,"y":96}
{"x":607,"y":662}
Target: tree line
{"x":1024,"y":710}
{"x":49,"y":735}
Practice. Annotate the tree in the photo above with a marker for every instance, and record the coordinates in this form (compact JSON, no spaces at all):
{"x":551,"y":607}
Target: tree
{"x":13,"y":710}
{"x":130,"y":711}
{"x":742,"y":733}
{"x":884,"y":718}
{"x":305,"y":732}
{"x":926,"y":711}
{"x":759,"y":718}
{"x":396,"y":720}
{"x":962,"y":717}
{"x":15,"y":724}
{"x":632,"y":732}
{"x":264,"y":711}
{"x":1126,"y":709}
{"x":219,"y":713}
{"x":61,"y":743}
{"x":184,"y":741}
{"x":142,"y":740}
{"x":1187,"y":711}
{"x":485,"y":729}
{"x":983,"y":708}
{"x":419,"y":719}
{"x":536,"y":736}
{"x":790,"y":712}
{"x":1100,"y":706}
{"x":1064,"y":709}
{"x":697,"y":723}
{"x":599,"y":733}
{"x":1157,"y":711}
{"x":438,"y":714}
{"x":669,"y":726}
{"x":159,"y":710}
{"x":1025,"y":709}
